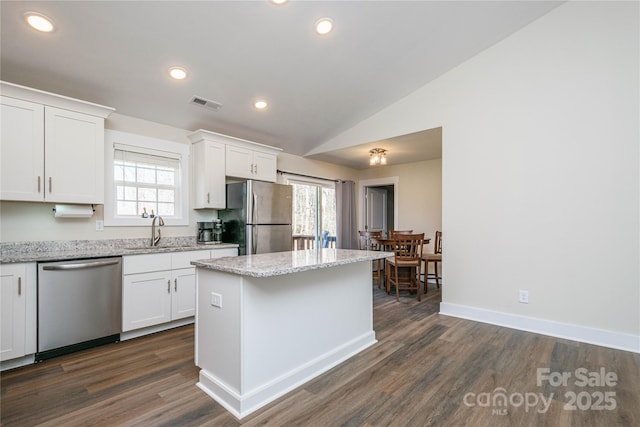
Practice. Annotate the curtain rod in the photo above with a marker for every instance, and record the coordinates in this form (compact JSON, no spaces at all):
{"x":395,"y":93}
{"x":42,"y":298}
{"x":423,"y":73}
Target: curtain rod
{"x":309,"y":176}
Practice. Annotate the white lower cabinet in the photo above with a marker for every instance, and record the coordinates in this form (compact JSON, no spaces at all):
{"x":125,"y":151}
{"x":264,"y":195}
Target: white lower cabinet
{"x":160,"y":288}
{"x":17,"y":310}
{"x":183,"y":303}
{"x":146,"y":299}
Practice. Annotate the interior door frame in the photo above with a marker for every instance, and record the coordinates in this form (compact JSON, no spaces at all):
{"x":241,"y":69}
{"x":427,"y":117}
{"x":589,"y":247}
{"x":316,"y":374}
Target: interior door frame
{"x":378,"y":182}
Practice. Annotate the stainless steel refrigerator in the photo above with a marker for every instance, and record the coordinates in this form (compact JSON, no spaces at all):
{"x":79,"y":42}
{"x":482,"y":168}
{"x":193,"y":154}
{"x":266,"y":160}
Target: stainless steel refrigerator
{"x":258,"y":217}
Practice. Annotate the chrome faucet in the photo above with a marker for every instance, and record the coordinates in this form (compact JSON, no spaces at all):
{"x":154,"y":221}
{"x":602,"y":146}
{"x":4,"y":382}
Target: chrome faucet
{"x":156,"y":239}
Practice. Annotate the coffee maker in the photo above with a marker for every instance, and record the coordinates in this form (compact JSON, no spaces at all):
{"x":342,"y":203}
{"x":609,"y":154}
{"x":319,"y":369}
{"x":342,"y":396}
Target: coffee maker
{"x":205,"y":232}
{"x":210,"y":232}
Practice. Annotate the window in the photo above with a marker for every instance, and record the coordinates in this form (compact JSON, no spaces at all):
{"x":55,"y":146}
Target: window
{"x":145,"y":177}
{"x":145,"y":184}
{"x":314,"y":213}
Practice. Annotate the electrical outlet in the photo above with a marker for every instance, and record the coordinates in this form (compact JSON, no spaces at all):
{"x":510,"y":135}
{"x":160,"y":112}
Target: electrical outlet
{"x":99,"y":225}
{"x":216,"y":300}
{"x":524,"y":297}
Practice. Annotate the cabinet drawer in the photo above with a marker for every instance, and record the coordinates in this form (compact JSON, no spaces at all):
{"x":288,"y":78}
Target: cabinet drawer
{"x":219,"y":253}
{"x":133,"y":264}
{"x":183,"y":259}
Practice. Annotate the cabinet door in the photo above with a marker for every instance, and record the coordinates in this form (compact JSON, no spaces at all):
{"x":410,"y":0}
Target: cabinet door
{"x":21,"y":150}
{"x":264,"y":166}
{"x":146,"y":300}
{"x":74,"y":157}
{"x":183,"y":301}
{"x":239,"y":162}
{"x":12,"y":311}
{"x":209,"y":175}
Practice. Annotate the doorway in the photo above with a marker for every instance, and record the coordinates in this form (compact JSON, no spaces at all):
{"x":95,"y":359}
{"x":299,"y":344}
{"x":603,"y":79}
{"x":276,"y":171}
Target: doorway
{"x":379,"y":210}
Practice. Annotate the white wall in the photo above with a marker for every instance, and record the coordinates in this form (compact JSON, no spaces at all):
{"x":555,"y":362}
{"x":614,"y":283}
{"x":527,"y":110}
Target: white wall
{"x":418,"y":193}
{"x":540,"y":169}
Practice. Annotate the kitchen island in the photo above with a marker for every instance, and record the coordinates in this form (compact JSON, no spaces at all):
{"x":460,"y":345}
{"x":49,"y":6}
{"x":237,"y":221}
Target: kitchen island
{"x":267,"y":323}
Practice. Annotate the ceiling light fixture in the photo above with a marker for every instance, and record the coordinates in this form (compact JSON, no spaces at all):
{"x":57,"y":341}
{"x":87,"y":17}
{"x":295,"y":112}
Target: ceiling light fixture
{"x":324,"y":26}
{"x":279,"y":2}
{"x":177,"y":73}
{"x":260,"y":104}
{"x":39,"y":22}
{"x":377,"y":156}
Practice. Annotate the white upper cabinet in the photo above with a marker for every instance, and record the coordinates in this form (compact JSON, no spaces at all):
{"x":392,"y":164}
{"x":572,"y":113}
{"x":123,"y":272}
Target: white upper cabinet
{"x":52,"y":147}
{"x":208,"y":172}
{"x":74,"y":157}
{"x":247,"y":163}
{"x":241,"y":159}
{"x":22,"y":150}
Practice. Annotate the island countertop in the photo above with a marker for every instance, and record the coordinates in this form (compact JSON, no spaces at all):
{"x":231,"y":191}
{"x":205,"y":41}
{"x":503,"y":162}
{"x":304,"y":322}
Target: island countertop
{"x":280,"y":263}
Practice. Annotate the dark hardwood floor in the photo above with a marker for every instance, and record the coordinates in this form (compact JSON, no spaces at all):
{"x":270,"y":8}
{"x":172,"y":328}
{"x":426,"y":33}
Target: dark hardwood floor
{"x":426,"y":369}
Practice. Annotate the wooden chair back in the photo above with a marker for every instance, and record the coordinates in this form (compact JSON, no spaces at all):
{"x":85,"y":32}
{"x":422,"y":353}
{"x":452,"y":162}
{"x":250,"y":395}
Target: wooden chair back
{"x":437,"y":245}
{"x":408,"y":247}
{"x":394,"y":232}
{"x":367,"y":240}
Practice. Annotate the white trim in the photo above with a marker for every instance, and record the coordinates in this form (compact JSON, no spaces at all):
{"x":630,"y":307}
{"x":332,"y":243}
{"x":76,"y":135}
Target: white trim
{"x":242,"y":404}
{"x":379,"y":182}
{"x":611,"y":339}
{"x":18,"y":362}
{"x":124,"y":336}
{"x":115,"y":138}
{"x":13,"y":90}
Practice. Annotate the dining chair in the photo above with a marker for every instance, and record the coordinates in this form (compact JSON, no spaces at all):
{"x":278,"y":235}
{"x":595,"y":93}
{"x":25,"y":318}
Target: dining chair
{"x":394,"y":232}
{"x":368,"y":242}
{"x":403,"y":269}
{"x":434,"y":258}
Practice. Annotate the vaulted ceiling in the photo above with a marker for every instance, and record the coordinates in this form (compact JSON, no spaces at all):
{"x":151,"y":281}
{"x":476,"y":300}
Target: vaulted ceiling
{"x":117,"y":53}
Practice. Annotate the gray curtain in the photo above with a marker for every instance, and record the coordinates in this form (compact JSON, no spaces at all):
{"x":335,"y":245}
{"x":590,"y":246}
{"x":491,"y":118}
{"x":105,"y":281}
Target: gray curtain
{"x":346,"y":233}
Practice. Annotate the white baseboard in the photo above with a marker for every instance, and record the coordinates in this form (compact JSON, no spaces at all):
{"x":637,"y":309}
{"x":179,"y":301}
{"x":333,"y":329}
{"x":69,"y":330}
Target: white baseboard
{"x":617,"y":340}
{"x":155,"y":328}
{"x":17,"y":362}
{"x":242,"y":404}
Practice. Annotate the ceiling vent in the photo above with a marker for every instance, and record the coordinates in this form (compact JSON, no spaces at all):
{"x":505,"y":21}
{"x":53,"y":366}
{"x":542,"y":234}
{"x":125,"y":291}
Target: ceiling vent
{"x":206,"y":103}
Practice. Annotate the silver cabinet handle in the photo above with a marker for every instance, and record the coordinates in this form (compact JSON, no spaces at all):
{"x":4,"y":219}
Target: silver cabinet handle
{"x":38,"y":183}
{"x":80,"y":265}
{"x":168,"y":286}
{"x":50,"y":179}
{"x":175,"y":284}
{"x":19,"y":286}
{"x":208,"y":198}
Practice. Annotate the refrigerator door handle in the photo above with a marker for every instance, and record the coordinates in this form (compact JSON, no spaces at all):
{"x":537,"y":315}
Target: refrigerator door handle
{"x":254,"y":240}
{"x":254,"y":209}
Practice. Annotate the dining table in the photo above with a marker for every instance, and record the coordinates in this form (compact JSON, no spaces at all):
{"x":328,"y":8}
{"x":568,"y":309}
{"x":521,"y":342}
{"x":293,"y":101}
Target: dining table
{"x":387,"y":245}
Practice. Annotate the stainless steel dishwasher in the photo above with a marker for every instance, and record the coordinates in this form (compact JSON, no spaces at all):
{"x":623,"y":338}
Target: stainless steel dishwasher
{"x":79,"y":305}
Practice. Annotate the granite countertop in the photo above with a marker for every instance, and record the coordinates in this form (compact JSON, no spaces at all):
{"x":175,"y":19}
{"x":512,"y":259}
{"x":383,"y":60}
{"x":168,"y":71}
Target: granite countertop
{"x":81,"y":249}
{"x":280,"y":263}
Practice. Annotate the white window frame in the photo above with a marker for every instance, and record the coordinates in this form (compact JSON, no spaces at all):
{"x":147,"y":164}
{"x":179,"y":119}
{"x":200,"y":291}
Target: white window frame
{"x":320,"y":183}
{"x":144,"y":144}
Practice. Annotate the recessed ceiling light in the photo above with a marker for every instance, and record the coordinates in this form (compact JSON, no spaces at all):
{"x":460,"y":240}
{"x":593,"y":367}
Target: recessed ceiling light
{"x":278,"y":2}
{"x":178,"y":73}
{"x":324,"y":26}
{"x":260,"y":104}
{"x":39,"y":22}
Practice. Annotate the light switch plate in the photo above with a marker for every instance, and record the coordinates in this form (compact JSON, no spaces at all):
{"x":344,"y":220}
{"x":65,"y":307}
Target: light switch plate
{"x":216,"y":300}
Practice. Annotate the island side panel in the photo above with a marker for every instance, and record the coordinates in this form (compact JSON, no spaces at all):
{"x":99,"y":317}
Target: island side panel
{"x":218,"y":335}
{"x":298,"y":325}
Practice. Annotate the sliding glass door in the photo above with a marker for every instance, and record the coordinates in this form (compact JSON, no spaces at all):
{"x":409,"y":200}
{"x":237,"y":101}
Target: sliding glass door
{"x":314,"y":213}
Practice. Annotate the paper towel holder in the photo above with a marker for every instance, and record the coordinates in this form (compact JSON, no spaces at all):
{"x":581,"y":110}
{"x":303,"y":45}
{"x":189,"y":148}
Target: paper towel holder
{"x":73,"y":211}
